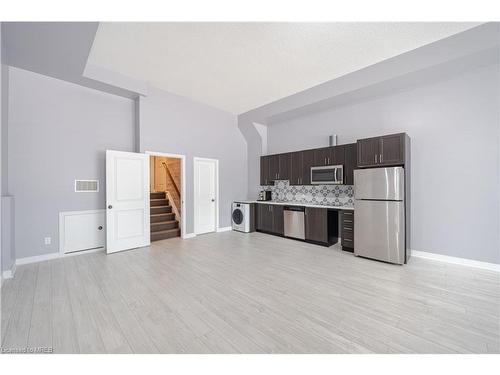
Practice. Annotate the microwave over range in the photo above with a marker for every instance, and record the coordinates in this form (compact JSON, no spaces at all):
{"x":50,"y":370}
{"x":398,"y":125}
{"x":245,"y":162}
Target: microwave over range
{"x":327,"y":175}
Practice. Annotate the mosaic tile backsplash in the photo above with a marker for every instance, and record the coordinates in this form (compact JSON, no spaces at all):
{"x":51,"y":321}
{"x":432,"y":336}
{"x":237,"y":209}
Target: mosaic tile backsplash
{"x":328,"y":195}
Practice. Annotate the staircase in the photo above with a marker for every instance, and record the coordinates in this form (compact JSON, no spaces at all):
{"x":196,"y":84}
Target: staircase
{"x":163,"y":223}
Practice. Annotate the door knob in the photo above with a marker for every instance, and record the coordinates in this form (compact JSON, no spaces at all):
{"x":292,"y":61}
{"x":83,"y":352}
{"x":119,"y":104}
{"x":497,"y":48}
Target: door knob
{"x":213,"y":200}
{"x":110,"y":207}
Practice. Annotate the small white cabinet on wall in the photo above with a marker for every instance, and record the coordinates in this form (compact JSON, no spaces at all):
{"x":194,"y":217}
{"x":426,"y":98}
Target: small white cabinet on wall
{"x":81,"y":230}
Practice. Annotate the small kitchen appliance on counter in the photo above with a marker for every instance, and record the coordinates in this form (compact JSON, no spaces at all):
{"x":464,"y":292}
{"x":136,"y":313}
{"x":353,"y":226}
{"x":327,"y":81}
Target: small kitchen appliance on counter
{"x":264,"y":195}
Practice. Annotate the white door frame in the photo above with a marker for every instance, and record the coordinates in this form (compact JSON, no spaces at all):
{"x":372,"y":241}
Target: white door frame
{"x":196,"y":159}
{"x":183,"y":185}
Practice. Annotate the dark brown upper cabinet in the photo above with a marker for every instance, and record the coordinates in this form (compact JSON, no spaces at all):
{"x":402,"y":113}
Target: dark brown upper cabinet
{"x":337,"y":155}
{"x":316,"y":223}
{"x":284,"y":161}
{"x":274,"y":167}
{"x":307,"y":163}
{"x":329,"y":156}
{"x":368,"y":150}
{"x":296,"y":168}
{"x":264,"y":171}
{"x":350,"y":162}
{"x":322,"y":156}
{"x":392,"y":149}
{"x":382,"y":151}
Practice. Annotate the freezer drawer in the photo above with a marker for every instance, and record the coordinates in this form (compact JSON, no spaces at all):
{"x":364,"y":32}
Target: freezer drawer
{"x":379,"y":230}
{"x":379,"y":183}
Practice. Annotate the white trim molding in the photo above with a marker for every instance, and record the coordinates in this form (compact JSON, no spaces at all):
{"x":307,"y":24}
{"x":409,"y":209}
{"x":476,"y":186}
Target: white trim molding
{"x":189,"y":235}
{"x":224,"y":229}
{"x":9,"y":274}
{"x":455,"y":260}
{"x":50,"y":256}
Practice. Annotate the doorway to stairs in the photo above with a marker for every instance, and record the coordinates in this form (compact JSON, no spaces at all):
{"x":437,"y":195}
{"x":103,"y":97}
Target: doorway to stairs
{"x":166,"y":196}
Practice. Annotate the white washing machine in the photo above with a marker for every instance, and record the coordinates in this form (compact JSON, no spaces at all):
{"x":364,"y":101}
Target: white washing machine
{"x":242,"y":217}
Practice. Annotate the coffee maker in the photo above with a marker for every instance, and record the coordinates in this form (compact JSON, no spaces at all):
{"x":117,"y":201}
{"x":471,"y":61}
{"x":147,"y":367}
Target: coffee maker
{"x":264,"y":195}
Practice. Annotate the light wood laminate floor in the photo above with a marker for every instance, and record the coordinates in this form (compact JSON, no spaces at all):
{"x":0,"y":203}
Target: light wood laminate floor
{"x":249,"y":293}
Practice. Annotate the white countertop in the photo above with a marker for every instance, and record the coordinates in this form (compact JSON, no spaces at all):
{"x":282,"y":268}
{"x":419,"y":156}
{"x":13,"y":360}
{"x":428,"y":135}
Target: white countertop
{"x":351,"y":208}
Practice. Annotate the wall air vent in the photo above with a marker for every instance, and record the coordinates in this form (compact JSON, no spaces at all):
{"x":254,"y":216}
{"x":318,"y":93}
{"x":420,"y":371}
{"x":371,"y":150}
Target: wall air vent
{"x":86,"y":186}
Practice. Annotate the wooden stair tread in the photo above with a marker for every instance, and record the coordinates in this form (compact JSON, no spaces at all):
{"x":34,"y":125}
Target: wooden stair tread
{"x":173,"y":230}
{"x":164,"y":222}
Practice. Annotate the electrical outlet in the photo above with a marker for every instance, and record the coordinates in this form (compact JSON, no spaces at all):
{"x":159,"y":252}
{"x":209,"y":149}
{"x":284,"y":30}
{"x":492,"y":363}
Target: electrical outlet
{"x":48,"y":240}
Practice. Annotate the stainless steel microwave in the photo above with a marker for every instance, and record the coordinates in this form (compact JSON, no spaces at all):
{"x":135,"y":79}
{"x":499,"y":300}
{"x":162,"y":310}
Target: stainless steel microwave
{"x":327,"y":175}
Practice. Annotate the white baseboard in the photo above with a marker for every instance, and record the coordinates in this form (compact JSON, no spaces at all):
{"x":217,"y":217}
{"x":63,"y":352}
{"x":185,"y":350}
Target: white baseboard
{"x":44,"y":257}
{"x":224,"y":229}
{"x":456,"y":260}
{"x":9,"y":274}
{"x":189,"y":235}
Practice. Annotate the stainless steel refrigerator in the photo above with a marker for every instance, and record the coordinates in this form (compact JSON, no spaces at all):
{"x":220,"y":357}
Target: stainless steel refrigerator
{"x":379,"y":214}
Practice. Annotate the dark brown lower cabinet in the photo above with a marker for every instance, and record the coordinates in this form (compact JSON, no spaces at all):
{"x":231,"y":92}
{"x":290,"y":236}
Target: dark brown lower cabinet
{"x":270,"y":218}
{"x":347,"y":230}
{"x":264,"y":220}
{"x":316,"y":220}
{"x":278,"y":219}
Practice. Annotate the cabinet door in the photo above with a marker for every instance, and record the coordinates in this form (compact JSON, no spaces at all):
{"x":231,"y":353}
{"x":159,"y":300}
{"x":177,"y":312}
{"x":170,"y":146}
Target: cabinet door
{"x":392,"y":149}
{"x":337,"y":155}
{"x":347,"y":229}
{"x":264,"y":217}
{"x":264,"y":171}
{"x":274,"y":167}
{"x":316,"y":224}
{"x":307,"y":163}
{"x":296,"y":166}
{"x":368,"y":150}
{"x":284,"y":166}
{"x":322,"y":156}
{"x":278,"y":219}
{"x":350,"y":162}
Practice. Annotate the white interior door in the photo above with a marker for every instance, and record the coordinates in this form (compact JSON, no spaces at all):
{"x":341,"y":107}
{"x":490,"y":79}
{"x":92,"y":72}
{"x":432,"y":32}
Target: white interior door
{"x":205,"y":195}
{"x":127,"y":200}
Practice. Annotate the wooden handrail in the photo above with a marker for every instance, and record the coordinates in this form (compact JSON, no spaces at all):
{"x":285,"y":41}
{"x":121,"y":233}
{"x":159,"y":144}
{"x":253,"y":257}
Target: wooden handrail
{"x":172,"y":178}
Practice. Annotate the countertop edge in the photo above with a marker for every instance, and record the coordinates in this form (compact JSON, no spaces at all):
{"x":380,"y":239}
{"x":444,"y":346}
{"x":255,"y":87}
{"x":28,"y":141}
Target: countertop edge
{"x":345,"y":208}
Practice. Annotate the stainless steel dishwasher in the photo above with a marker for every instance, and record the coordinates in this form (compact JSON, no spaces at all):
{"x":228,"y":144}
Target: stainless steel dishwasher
{"x":294,"y":222}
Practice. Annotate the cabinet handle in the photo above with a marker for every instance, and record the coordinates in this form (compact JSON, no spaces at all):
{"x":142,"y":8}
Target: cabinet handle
{"x":375,"y":158}
{"x":345,"y":239}
{"x":348,"y":228}
{"x":347,"y":221}
{"x":380,"y":158}
{"x":325,"y":160}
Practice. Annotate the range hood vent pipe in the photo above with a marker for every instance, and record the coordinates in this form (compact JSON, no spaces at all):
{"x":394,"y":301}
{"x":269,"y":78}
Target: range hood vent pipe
{"x":333,"y":140}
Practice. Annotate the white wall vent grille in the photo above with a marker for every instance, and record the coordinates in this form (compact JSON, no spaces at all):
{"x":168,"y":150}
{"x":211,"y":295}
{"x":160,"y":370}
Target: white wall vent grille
{"x":86,"y":186}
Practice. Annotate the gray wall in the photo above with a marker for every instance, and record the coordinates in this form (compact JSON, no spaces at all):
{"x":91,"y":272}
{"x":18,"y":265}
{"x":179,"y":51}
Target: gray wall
{"x":58,"y":132}
{"x":174,"y":124}
{"x":454,"y":127}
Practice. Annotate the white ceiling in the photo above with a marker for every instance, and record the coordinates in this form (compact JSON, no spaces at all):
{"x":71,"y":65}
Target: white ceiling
{"x":240,"y":66}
